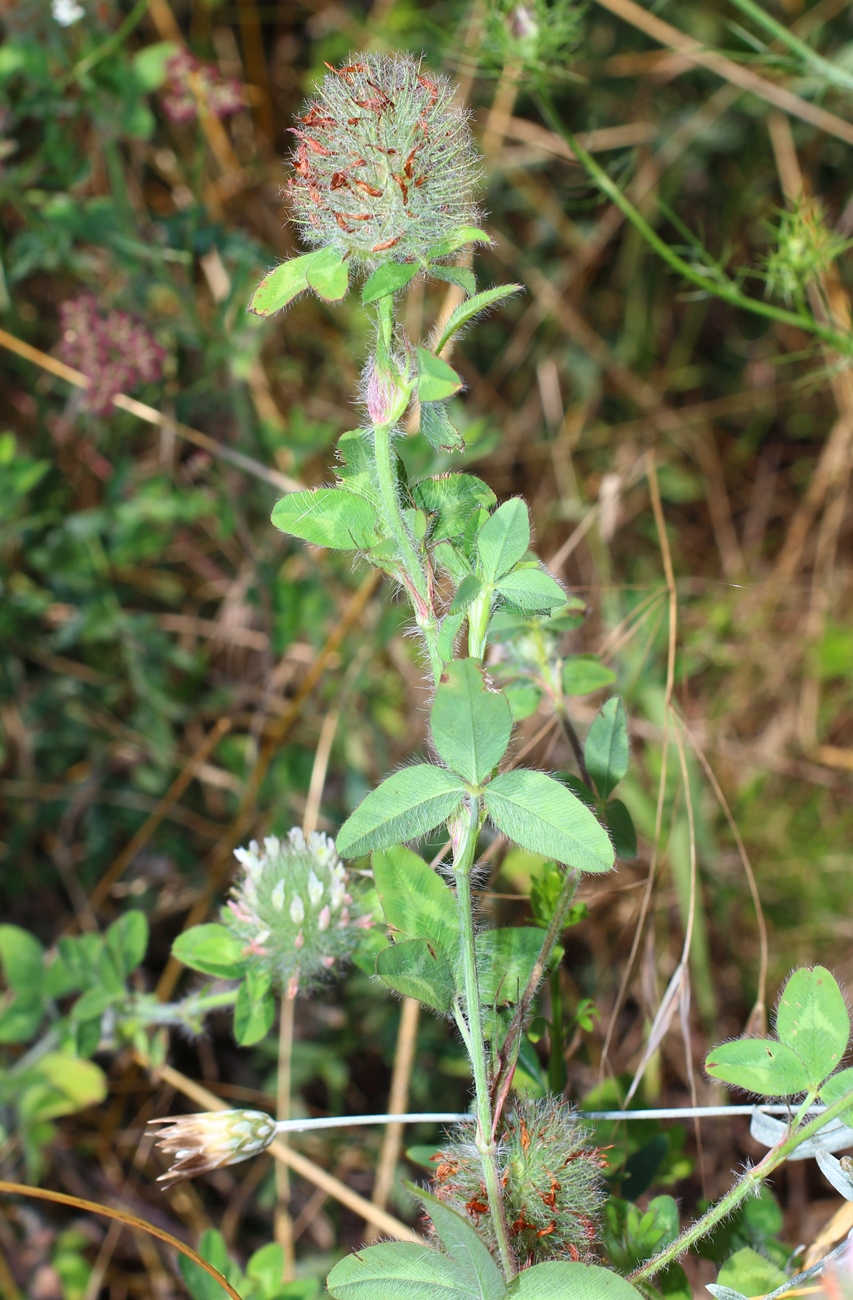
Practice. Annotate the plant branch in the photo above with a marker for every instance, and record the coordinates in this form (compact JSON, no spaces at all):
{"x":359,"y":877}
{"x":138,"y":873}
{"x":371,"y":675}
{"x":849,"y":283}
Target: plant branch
{"x":464,"y":834}
{"x":724,"y":289}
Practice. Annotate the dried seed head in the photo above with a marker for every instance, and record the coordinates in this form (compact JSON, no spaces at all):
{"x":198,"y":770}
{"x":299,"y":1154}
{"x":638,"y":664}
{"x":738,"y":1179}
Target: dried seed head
{"x":551,"y":1179}
{"x":210,"y":1140}
{"x":385,"y":165}
{"x":292,"y":909}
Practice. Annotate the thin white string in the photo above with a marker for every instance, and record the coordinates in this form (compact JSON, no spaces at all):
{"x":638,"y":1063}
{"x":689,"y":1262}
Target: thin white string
{"x":464,"y":1117}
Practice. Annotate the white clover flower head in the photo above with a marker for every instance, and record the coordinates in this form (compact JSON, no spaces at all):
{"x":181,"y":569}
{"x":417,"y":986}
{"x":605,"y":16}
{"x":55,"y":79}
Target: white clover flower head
{"x":385,"y":164}
{"x":292,"y":909}
{"x":67,"y":12}
{"x":211,"y":1140}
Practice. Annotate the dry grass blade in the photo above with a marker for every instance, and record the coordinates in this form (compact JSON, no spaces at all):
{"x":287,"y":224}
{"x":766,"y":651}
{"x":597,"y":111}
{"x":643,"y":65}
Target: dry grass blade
{"x":120,"y":1216}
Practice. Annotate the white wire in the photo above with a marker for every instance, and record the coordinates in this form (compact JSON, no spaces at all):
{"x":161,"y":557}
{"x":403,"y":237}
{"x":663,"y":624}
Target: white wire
{"x":464,"y":1117}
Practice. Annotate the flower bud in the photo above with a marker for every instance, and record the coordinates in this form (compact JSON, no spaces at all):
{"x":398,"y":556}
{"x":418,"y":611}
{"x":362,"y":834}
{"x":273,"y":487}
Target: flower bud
{"x":211,"y":1140}
{"x":385,"y":165}
{"x":292,"y":909}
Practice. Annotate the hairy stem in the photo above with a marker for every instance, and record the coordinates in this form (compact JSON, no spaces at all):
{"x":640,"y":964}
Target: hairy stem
{"x":465,"y":843}
{"x":745,"y":1187}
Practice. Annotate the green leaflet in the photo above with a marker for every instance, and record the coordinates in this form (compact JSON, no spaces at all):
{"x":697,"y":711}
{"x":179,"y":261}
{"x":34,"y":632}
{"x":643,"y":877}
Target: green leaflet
{"x":620,"y":824}
{"x":471,"y":725}
{"x":605,"y":749}
{"x":328,"y":274}
{"x":332,"y":517}
{"x":759,"y":1065}
{"x":211,"y":949}
{"x":436,"y":428}
{"x":404,"y":807}
{"x":503,"y":539}
{"x":505,"y":960}
{"x":812,"y":1019}
{"x":436,"y":379}
{"x":583,"y":674}
{"x":541,"y":815}
{"x":458,"y":275}
{"x":467,"y":592}
{"x":750,"y":1273}
{"x":463,"y":1245}
{"x":472,"y":307}
{"x":127,"y":940}
{"x":415,"y":970}
{"x":532,"y":589}
{"x":455,"y":240}
{"x":415,"y":900}
{"x":254,"y":1010}
{"x":450,"y":499}
{"x":281,"y":285}
{"x":399,"y":1270}
{"x":557,"y":1280}
{"x":838,"y":1086}
{"x":388,"y":278}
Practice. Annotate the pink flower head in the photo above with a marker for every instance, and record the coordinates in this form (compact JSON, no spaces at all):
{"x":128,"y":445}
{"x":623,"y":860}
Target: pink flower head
{"x":115,"y":352}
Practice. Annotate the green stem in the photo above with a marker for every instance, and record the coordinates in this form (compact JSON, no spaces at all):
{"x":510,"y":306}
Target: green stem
{"x":188,"y":1012}
{"x":830,"y":72}
{"x":112,"y":43}
{"x":725,"y":290}
{"x":465,"y":843}
{"x":745,"y":1187}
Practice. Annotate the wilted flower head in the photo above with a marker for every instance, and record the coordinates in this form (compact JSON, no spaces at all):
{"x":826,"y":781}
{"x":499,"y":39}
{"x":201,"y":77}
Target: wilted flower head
{"x":184,"y":73}
{"x":292,"y":909}
{"x":551,"y":1180}
{"x":211,"y":1139}
{"x":385,"y":163}
{"x":115,"y":352}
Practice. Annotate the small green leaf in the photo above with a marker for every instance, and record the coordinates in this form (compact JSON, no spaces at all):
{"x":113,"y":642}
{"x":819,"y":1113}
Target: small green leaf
{"x":466,"y":593}
{"x":450,"y":627}
{"x":457,"y":239}
{"x":416,"y":970}
{"x":812,"y":1019}
{"x":22,"y":958}
{"x":404,"y":807}
{"x":458,"y":275}
{"x":541,"y":816}
{"x":583,"y":674}
{"x":388,"y":278}
{"x":399,"y":1270}
{"x":254,"y":1013}
{"x":505,"y":960}
{"x":559,"y":1280}
{"x":281,"y":285}
{"x":472,"y":307}
{"x":73,"y":1085}
{"x":436,"y":427}
{"x":332,"y":517}
{"x":524,"y":699}
{"x":149,"y":64}
{"x":127,"y":940}
{"x":266,"y":1267}
{"x":199,"y":1283}
{"x":759,"y":1065}
{"x":328,"y":274}
{"x":436,"y":379}
{"x":415,"y":900}
{"x":532,"y":589}
{"x":622,"y":830}
{"x":750,"y":1273}
{"x":451,"y":498}
{"x":356,"y":469}
{"x":20,"y":1019}
{"x":605,"y":749}
{"x":471,"y":725}
{"x":504,"y":539}
{"x":211,"y":949}
{"x":463,"y":1245}
{"x":838,"y":1086}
